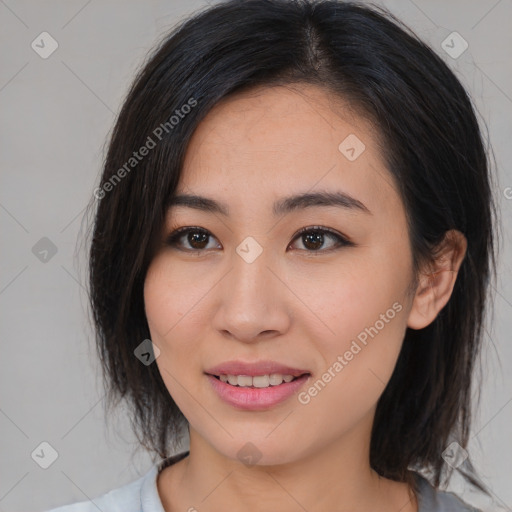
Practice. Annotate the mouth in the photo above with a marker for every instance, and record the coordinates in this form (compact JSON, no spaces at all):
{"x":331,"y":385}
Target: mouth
{"x":258,"y":381}
{"x":257,"y":369}
{"x":257,"y":386}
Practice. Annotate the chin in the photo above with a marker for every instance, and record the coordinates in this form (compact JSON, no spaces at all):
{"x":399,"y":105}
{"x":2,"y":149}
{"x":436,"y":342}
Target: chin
{"x":259,"y":451}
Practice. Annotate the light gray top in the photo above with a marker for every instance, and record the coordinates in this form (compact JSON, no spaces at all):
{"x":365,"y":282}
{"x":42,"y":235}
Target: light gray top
{"x":142,"y":496}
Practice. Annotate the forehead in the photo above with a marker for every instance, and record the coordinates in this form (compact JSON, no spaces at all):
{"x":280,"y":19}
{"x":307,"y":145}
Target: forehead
{"x":275,"y":141}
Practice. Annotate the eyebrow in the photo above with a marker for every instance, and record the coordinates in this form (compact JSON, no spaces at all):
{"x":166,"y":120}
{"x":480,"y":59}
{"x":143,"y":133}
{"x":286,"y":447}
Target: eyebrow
{"x":280,"y":207}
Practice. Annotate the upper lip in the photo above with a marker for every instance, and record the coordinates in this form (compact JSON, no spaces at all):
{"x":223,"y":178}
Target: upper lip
{"x":252,"y":369}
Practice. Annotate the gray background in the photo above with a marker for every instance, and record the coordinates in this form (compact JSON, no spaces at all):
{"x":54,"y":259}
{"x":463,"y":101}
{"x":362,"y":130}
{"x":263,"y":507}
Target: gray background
{"x":56,"y":114}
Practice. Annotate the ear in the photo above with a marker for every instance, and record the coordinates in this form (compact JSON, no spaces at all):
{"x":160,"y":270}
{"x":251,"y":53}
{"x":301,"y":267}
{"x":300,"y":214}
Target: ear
{"x":436,"y":285}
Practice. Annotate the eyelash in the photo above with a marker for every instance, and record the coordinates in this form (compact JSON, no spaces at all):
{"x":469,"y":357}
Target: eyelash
{"x":172,"y":239}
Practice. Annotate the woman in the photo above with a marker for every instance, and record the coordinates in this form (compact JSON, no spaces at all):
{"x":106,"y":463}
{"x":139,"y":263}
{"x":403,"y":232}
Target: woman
{"x":290,"y":262}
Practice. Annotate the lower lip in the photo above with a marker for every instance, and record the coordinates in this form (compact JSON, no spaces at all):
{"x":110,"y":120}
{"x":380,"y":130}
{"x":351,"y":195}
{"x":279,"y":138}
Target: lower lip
{"x":256,"y":399}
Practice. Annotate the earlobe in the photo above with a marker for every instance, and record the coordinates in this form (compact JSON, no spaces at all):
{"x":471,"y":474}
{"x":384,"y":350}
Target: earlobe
{"x":435,"y":286}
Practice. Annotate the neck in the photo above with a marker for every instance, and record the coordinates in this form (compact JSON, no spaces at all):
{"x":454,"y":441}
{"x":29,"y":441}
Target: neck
{"x":336,"y":476}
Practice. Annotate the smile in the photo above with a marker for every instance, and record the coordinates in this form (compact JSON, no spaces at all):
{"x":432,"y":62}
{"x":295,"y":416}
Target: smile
{"x":256,"y":393}
{"x":257,"y":381}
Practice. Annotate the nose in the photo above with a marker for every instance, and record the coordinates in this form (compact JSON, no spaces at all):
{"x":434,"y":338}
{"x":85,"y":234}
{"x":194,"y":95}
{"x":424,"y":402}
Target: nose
{"x":252,"y":300}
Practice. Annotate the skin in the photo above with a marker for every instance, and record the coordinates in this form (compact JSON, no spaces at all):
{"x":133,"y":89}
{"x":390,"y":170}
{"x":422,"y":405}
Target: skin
{"x":298,"y":303}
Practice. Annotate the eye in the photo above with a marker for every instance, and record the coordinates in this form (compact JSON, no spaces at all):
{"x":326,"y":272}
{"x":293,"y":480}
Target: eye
{"x":314,"y":237}
{"x":195,"y":236}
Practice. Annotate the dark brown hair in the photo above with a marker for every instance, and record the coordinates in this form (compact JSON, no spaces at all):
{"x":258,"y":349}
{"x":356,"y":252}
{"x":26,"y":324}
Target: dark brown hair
{"x":433,"y":148}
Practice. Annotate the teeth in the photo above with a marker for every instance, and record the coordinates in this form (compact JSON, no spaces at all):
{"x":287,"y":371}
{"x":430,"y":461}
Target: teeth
{"x":233,"y":380}
{"x":243,"y":380}
{"x":258,"y":381}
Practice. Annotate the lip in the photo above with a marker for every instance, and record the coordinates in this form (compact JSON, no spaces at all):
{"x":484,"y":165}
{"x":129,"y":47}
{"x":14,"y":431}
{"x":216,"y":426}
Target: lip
{"x":256,"y":399}
{"x":257,"y":368}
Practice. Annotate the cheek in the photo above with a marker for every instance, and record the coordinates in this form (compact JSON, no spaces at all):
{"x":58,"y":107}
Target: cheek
{"x":161,"y":309}
{"x":358,"y":363}
{"x":170,"y":314}
{"x":171,"y":299}
{"x":363,"y":321}
{"x":348,"y":297}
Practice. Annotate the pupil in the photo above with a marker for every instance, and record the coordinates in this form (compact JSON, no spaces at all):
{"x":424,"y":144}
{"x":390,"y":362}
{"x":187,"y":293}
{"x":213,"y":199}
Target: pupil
{"x":197,"y":238}
{"x":315,"y":238}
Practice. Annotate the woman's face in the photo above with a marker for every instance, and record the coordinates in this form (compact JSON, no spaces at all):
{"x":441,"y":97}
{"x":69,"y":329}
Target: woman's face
{"x":247,"y":287}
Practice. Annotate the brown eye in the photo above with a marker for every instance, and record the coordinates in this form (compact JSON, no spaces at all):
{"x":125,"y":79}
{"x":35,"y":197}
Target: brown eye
{"x":196,"y":238}
{"x":314,"y":239}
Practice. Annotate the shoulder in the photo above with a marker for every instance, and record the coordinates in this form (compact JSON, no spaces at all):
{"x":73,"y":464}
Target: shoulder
{"x":126,"y":498}
{"x":431,"y":499}
{"x":140,"y":495}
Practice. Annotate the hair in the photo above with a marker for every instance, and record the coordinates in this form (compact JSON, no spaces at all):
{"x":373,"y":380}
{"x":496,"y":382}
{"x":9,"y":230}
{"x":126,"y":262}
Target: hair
{"x":431,"y":144}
